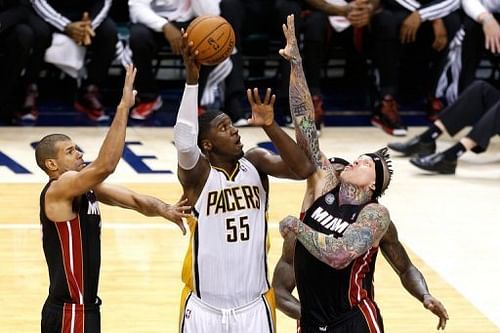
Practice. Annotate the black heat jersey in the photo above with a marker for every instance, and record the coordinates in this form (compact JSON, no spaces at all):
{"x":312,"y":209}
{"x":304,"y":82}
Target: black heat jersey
{"x":328,"y":296}
{"x":73,"y":252}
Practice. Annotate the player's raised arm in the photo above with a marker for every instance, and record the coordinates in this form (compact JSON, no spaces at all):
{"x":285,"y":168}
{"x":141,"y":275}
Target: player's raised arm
{"x":193,"y":168}
{"x":71,"y":184}
{"x":291,"y":162}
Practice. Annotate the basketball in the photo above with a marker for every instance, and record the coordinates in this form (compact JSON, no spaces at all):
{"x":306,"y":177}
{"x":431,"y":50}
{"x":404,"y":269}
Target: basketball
{"x":213,"y":38}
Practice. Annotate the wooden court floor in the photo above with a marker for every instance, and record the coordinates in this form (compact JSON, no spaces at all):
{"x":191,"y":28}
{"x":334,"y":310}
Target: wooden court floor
{"x":142,"y":257}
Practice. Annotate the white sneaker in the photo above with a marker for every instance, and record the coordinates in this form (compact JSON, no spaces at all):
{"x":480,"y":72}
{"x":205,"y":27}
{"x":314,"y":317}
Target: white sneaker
{"x":242,"y":122}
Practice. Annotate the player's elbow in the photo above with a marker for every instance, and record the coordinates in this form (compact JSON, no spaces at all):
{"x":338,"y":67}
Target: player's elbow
{"x":305,"y":171}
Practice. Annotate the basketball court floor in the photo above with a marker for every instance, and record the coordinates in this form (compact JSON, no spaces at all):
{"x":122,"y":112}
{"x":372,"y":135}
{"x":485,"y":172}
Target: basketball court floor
{"x":449,"y":224}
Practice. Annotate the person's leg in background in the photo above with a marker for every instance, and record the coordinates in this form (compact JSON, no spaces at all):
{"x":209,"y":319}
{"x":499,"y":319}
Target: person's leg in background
{"x":315,"y":29}
{"x":386,"y":56}
{"x":438,"y":58}
{"x":103,"y":50}
{"x":234,"y":12}
{"x":283,"y":9}
{"x":43,"y":38}
{"x":145,"y":44}
{"x":16,"y":44}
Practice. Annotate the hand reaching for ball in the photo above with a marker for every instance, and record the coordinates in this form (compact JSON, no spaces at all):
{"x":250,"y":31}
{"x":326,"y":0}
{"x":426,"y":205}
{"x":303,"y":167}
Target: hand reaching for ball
{"x":189,"y":55}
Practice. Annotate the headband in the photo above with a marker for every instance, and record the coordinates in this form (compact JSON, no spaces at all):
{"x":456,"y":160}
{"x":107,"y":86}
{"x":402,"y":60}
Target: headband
{"x":379,"y":174}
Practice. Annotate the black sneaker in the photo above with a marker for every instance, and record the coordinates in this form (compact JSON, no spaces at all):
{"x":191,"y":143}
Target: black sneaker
{"x":387,"y":118}
{"x":436,"y":163}
{"x":414,"y":146}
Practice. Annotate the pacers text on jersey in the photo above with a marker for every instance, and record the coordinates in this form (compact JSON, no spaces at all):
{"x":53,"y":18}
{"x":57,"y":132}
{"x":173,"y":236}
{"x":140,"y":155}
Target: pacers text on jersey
{"x":234,"y":198}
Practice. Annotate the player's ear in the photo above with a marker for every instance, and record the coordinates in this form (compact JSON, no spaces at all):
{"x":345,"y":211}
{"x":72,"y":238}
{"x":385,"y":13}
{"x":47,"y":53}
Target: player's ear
{"x":206,"y":145}
{"x":372,"y":186}
{"x":51,"y":164}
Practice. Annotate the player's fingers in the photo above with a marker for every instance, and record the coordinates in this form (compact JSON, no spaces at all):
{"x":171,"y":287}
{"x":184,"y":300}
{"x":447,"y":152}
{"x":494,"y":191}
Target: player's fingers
{"x":273,"y":99}
{"x":497,"y":45}
{"x":285,"y":30}
{"x":267,"y":97}
{"x":250,"y":97}
{"x":181,"y":226}
{"x":256,"y":96}
{"x":283,"y":54}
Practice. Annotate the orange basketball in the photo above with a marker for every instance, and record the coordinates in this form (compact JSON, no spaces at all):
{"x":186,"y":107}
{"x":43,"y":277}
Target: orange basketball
{"x":213,"y":37}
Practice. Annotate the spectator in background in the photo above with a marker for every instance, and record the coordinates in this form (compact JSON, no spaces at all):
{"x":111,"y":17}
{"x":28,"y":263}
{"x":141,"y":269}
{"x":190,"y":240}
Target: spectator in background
{"x":22,"y":52}
{"x":412,"y":26}
{"x":312,"y":20}
{"x":478,"y":106}
{"x":480,"y":31}
{"x":155,"y":24}
{"x":87,"y":23}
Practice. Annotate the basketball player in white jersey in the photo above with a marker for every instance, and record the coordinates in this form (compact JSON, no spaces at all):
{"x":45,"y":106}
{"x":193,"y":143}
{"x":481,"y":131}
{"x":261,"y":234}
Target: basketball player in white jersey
{"x":225,"y":269}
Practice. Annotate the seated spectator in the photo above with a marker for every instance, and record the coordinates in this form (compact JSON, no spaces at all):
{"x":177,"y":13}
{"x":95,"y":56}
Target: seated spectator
{"x":87,"y":23}
{"x":21,"y":51}
{"x":154,"y":25}
{"x":480,"y":32}
{"x":413,"y":26}
{"x":478,"y":106}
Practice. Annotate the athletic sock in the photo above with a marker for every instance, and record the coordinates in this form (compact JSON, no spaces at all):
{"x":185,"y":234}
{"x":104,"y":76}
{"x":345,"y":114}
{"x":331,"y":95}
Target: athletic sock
{"x":431,"y":134}
{"x":454,"y":152}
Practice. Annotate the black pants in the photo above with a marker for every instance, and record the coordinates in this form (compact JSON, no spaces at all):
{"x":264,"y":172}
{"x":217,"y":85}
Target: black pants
{"x":58,"y":318}
{"x":15,"y":44}
{"x":388,"y":51}
{"x":478,"y":106}
{"x":102,"y":50}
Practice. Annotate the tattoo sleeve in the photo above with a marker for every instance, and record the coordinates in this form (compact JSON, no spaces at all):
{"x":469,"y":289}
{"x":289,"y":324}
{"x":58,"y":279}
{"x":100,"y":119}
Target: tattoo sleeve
{"x":394,"y":252}
{"x":356,"y":240}
{"x":302,"y":109}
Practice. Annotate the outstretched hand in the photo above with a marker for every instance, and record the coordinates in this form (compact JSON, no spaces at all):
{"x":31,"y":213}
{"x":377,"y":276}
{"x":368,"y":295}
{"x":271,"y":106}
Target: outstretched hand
{"x":189,"y":55}
{"x":435,"y":306}
{"x":291,"y":51}
{"x":128,"y":95}
{"x":177,"y":212}
{"x":262,"y":112}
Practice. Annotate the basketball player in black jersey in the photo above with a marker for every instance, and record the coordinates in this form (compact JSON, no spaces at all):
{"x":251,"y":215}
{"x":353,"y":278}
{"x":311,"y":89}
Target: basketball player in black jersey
{"x":71,"y":221}
{"x":343,"y":225}
{"x":392,"y":249}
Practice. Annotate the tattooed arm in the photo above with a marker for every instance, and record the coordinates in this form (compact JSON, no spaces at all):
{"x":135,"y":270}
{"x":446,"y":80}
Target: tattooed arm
{"x":359,"y":237}
{"x":302,"y":111}
{"x":301,"y":105}
{"x":411,"y":278}
{"x":284,"y":280}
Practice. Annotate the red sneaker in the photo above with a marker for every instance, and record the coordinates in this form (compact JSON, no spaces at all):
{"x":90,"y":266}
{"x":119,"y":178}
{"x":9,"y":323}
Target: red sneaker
{"x":144,"y":110}
{"x":387,"y":117}
{"x":89,"y":102}
{"x":434,"y":107}
{"x":29,"y":111}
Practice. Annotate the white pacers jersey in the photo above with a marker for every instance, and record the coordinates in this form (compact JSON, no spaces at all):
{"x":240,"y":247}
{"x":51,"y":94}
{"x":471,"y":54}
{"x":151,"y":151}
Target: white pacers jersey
{"x":226,"y":263}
